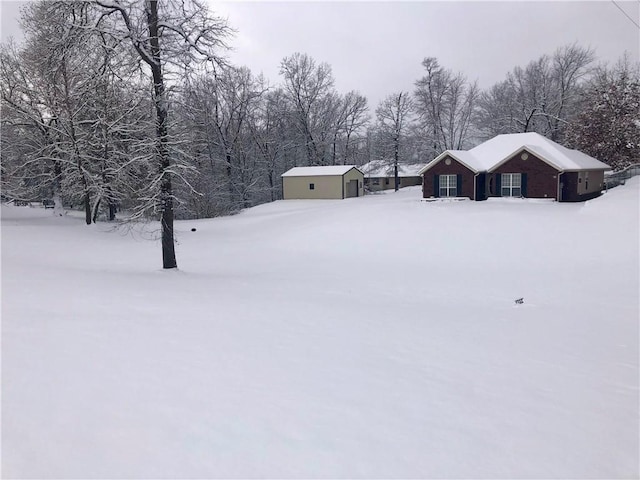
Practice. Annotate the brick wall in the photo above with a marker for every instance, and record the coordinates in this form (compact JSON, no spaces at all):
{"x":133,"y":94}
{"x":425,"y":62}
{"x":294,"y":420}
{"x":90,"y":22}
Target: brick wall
{"x":454,"y":168}
{"x":542,"y":178}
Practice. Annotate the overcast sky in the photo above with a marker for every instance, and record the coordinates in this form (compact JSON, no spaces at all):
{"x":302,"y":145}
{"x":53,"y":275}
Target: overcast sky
{"x":377,"y":47}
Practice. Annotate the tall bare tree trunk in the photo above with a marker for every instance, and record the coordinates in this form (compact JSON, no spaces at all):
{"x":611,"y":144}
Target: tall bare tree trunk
{"x":166,"y":192}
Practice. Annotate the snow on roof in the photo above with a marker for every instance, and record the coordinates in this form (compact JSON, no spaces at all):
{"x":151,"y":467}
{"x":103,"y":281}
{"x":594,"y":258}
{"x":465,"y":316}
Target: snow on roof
{"x":465,"y":157}
{"x":475,"y":162}
{"x":494,"y":152}
{"x":497,"y":150}
{"x":384,"y":168}
{"x":323,"y":171}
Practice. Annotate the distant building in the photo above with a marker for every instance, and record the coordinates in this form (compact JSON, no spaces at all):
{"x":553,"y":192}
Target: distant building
{"x":379,"y":175}
{"x":515,"y":165}
{"x":330,"y":182}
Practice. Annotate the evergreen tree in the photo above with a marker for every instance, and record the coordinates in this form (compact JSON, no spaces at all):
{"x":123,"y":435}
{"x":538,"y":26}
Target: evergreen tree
{"x":608,"y":127}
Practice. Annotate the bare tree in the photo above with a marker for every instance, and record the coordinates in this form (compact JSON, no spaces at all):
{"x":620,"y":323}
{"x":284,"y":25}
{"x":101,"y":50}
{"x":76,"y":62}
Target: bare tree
{"x":219,"y":111}
{"x":497,"y":112}
{"x":310,"y":91}
{"x":570,"y":65}
{"x":51,"y":82}
{"x":446,"y":104}
{"x":270,"y":130}
{"x":393,"y":115}
{"x":30,"y":165}
{"x":175,"y":32}
{"x":530,"y":87}
{"x":538,"y":98}
{"x":352,"y":116}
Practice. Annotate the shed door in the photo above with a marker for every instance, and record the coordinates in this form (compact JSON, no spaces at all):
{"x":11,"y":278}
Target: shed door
{"x":352,"y":188}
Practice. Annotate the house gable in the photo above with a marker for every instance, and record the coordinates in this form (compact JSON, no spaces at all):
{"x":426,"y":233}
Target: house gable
{"x":539,"y":176}
{"x":521,"y":154}
{"x":461,"y":157}
{"x":448,"y":165}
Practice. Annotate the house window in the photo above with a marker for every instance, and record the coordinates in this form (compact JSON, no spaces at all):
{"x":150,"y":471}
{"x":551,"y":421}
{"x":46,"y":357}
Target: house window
{"x":511,"y":185}
{"x":312,"y":186}
{"x":376,"y":181}
{"x":448,"y":186}
{"x":386,"y":181}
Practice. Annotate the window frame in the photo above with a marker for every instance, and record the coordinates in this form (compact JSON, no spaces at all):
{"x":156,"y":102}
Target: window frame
{"x":446,"y":186}
{"x":508,"y":184}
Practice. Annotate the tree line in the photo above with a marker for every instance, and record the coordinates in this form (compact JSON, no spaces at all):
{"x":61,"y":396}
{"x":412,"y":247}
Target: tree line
{"x":122,"y":105}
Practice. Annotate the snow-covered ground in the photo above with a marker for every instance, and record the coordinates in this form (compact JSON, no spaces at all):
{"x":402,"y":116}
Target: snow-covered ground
{"x":368,"y":337}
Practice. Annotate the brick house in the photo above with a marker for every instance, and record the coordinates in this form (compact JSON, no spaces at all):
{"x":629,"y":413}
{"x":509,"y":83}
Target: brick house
{"x":515,"y":165}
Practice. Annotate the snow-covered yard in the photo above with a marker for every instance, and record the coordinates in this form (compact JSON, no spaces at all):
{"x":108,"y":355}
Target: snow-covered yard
{"x":368,"y":337}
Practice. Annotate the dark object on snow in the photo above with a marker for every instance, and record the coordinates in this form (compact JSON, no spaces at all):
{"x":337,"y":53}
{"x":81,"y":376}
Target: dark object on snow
{"x":519,"y":301}
{"x":47,"y":203}
{"x":193,"y":229}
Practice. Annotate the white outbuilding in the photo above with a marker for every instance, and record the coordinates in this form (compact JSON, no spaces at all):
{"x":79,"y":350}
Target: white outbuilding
{"x":327,"y":182}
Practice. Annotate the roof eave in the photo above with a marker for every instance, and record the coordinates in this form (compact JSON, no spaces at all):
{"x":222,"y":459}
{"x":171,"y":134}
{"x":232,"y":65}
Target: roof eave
{"x":519,"y":149}
{"x":437,"y":160}
{"x":568,"y":170}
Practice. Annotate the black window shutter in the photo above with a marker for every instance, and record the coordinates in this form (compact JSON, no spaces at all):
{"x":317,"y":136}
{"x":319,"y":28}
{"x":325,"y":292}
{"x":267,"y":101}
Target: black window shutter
{"x":523,"y":184}
{"x":458,"y":185}
{"x":499,"y":184}
{"x":436,"y":186}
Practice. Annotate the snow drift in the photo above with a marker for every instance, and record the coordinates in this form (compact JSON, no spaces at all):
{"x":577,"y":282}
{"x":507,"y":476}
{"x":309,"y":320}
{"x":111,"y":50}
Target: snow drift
{"x":369,"y":337}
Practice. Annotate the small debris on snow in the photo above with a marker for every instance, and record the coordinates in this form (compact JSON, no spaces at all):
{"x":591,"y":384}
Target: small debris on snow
{"x":193,"y":229}
{"x":519,"y":301}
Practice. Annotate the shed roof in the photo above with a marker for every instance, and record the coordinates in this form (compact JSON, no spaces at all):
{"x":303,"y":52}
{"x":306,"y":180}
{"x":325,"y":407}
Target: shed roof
{"x":320,"y":171}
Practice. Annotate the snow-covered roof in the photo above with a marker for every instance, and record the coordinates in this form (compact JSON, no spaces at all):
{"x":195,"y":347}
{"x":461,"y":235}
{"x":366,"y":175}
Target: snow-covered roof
{"x":465,"y":157}
{"x":494,"y":152}
{"x":323,"y":171}
{"x":384,"y":168}
{"x":500,"y":148}
{"x":476,"y":162}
